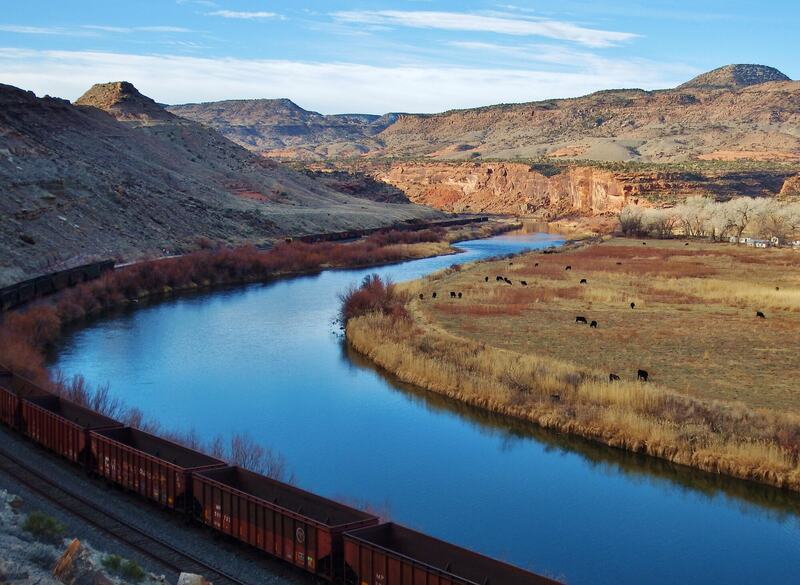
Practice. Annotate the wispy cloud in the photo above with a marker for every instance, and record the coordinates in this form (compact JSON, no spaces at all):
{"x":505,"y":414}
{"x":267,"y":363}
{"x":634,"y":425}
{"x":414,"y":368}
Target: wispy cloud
{"x":509,"y":24}
{"x":244,"y":15}
{"x":135,"y":29}
{"x":326,"y":87}
{"x":36,"y":30}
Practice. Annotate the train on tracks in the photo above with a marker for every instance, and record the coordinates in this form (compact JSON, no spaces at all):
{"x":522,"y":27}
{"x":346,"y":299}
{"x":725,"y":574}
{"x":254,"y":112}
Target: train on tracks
{"x":323,"y":537}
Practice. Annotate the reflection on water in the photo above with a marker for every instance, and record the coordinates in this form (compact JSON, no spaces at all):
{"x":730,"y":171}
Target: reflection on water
{"x":266,"y":360}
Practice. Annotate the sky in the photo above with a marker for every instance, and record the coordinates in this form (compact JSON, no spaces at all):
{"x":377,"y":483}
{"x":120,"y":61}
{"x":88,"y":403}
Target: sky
{"x":344,"y":56}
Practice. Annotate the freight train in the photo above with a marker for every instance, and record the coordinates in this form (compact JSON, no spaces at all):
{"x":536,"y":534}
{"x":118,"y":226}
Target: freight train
{"x":323,"y":537}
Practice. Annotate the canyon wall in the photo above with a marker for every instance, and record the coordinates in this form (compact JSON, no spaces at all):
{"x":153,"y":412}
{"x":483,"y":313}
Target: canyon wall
{"x":522,"y":189}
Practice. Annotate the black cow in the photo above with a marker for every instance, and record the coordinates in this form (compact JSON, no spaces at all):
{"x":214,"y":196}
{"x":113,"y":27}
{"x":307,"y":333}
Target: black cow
{"x":452,"y":295}
{"x":644,"y":243}
{"x":619,"y":263}
{"x":584,"y":281}
{"x":459,"y":295}
{"x":568,"y":268}
{"x":434,"y":295}
{"x":642,"y":375}
{"x":555,"y":397}
{"x":507,"y":281}
{"x":499,"y":279}
{"x":523,"y":282}
{"x":510,"y":263}
{"x":613,"y":378}
{"x":686,"y":244}
{"x":761,"y":314}
{"x":593,"y":324}
{"x":777,"y":288}
{"x":580,"y":319}
{"x":421,"y":296}
{"x":633,"y":305}
{"x":536,"y":264}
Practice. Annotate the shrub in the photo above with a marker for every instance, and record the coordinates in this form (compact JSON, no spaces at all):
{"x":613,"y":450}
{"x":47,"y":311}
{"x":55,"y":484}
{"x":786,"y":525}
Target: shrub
{"x":44,"y":527}
{"x":373,"y":296}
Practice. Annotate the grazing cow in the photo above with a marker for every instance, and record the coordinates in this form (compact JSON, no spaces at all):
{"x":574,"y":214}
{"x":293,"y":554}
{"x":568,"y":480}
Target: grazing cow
{"x":421,"y":296}
{"x":613,"y":378}
{"x":777,"y":288}
{"x":459,"y":295}
{"x":642,"y":375}
{"x":686,"y":244}
{"x":507,"y":281}
{"x":536,"y":264}
{"x":485,"y":279}
{"x":584,"y":281}
{"x":633,"y":305}
{"x":452,"y":295}
{"x":593,"y":324}
{"x":761,"y":314}
{"x":434,"y":295}
{"x":555,"y":397}
{"x":580,"y":319}
{"x":619,"y":263}
{"x":510,"y":263}
{"x":523,"y":282}
{"x":644,"y":243}
{"x":568,"y":268}
{"x":499,"y":279}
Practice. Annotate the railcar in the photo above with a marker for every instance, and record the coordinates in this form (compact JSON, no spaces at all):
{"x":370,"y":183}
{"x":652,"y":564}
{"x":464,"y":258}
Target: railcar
{"x":289,"y":523}
{"x":155,"y":468}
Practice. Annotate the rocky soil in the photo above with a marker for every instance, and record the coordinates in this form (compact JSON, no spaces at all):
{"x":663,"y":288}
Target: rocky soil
{"x":115,"y":175}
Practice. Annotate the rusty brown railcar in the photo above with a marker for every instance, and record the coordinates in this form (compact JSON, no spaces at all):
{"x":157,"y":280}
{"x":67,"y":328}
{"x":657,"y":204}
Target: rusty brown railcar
{"x":63,"y":426}
{"x":155,"y":468}
{"x":13,"y":389}
{"x":391,"y":554}
{"x":300,"y":527}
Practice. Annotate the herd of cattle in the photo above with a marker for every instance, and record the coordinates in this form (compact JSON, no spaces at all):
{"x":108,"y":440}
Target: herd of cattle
{"x":641,"y":375}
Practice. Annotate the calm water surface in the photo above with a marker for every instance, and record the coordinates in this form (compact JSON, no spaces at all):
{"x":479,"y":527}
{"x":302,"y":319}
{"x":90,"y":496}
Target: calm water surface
{"x":265,"y":359}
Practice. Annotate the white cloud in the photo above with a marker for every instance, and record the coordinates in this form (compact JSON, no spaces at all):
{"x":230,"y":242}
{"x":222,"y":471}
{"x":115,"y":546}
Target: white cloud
{"x":508,"y":24}
{"x":326,"y":87}
{"x":243,"y":15}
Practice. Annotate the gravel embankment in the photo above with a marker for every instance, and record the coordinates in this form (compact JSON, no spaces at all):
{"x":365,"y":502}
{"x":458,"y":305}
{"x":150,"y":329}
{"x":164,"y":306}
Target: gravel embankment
{"x":246,"y":564}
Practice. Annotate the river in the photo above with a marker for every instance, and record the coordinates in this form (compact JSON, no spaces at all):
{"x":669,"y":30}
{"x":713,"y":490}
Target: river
{"x":266,"y":359}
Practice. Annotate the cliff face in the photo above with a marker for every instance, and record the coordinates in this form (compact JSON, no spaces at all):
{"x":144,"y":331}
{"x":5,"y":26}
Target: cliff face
{"x":507,"y":188}
{"x":517,"y":188}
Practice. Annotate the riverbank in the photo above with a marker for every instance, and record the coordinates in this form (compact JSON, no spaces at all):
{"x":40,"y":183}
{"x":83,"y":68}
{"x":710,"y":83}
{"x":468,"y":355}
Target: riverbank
{"x":27,"y":333}
{"x":512,"y":349}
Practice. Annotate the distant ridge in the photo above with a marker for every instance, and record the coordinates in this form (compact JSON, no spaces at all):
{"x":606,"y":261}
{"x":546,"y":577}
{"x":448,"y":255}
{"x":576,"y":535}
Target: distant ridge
{"x":748,"y":112}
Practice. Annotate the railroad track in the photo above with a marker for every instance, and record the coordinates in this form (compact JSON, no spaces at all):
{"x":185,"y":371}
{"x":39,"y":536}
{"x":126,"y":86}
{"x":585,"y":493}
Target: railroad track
{"x":146,"y":544}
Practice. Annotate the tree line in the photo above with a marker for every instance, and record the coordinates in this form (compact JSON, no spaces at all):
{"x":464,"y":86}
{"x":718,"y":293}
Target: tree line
{"x":703,"y":217}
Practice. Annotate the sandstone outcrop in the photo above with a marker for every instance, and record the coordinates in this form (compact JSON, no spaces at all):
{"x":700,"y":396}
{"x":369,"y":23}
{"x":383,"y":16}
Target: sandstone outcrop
{"x":521,"y":189}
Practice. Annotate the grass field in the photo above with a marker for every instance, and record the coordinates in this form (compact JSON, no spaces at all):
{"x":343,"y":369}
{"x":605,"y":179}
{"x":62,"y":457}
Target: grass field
{"x":721,"y":394}
{"x":694,"y":328}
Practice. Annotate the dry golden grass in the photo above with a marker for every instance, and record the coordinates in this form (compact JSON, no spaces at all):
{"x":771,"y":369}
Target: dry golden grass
{"x":694,"y":328}
{"x":721,"y":396}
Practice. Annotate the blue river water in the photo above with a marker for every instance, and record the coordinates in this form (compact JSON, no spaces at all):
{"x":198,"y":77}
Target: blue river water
{"x":266,"y":360}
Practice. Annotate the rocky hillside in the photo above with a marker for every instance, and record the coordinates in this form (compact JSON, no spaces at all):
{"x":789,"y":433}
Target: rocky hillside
{"x":116,"y":175}
{"x":280,"y":128}
{"x":735,"y":112}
